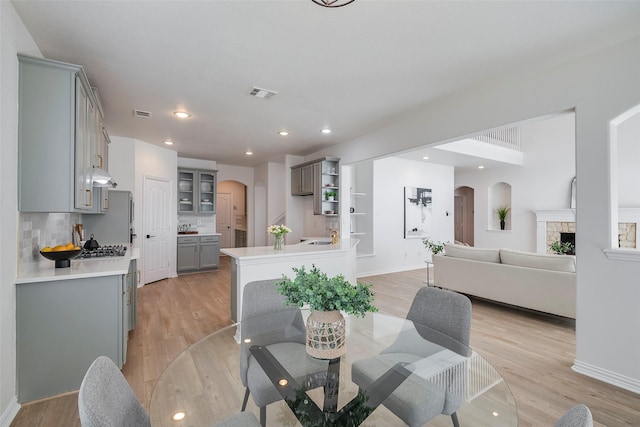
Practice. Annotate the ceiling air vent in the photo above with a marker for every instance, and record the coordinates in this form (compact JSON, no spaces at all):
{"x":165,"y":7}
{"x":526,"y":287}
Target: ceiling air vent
{"x":142,"y":114}
{"x":262,"y":93}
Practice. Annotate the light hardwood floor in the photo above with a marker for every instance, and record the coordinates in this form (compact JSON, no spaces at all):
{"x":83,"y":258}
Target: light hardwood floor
{"x":533,"y":352}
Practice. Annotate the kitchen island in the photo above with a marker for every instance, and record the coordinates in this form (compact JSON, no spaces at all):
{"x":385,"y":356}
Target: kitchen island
{"x":264,"y":262}
{"x":67,"y":317}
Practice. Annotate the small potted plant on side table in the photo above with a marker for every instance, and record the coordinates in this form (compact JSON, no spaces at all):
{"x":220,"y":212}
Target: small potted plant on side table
{"x":326,"y":297}
{"x":435,"y":248}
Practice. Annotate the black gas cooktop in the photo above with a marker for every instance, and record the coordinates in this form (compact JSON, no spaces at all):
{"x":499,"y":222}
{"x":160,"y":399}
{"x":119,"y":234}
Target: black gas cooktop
{"x":104,"y":251}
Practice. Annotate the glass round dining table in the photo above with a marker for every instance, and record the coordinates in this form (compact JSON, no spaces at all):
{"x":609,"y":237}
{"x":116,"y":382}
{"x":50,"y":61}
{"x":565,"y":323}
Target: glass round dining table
{"x":203,"y":386}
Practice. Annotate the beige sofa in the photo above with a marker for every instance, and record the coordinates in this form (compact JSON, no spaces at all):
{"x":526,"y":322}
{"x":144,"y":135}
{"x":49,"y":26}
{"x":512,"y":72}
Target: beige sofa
{"x":539,"y":282}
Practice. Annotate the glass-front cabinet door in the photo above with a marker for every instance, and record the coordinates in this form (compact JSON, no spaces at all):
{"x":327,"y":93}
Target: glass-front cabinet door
{"x":207,"y":188}
{"x":186,"y":191}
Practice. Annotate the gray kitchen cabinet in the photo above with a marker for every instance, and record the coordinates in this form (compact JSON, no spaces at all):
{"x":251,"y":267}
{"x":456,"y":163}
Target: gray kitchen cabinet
{"x":302,"y":180}
{"x":132,"y":295}
{"x":62,"y":326}
{"x":198,"y":253}
{"x":209,"y":252}
{"x":197,"y":191}
{"x":318,"y":178}
{"x":188,"y":254}
{"x":57,"y":133}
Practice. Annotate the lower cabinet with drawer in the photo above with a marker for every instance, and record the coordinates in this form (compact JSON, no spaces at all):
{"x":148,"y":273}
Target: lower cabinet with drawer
{"x":198,"y":253}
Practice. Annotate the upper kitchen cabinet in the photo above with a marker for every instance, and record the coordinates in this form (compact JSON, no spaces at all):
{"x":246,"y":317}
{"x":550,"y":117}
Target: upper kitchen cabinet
{"x":319,"y":178}
{"x":197,"y":191}
{"x":60,"y":138}
{"x":302,"y":180}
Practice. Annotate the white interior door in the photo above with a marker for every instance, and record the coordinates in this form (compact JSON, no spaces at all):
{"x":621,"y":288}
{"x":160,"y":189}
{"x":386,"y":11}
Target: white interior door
{"x":223,"y":220}
{"x":157,"y":237}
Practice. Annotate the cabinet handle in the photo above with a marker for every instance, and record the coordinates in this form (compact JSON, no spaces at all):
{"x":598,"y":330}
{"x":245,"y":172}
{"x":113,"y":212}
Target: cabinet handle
{"x":99,"y":160}
{"x":138,"y":276}
{"x":90,"y":198}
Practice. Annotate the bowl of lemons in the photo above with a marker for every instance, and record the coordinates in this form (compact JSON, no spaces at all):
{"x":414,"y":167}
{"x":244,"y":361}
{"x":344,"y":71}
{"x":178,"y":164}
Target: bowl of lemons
{"x":61,"y":254}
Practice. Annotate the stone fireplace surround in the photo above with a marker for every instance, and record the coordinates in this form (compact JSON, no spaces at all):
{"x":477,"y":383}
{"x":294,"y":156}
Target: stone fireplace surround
{"x":550,"y":223}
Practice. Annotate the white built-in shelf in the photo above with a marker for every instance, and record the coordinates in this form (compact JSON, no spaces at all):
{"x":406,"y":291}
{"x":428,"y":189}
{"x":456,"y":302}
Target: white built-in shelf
{"x":358,"y":194}
{"x":357,"y":234}
{"x":358,"y":213}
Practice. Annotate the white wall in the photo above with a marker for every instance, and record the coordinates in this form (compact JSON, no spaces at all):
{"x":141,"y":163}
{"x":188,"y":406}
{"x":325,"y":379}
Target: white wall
{"x":542,"y":182}
{"x":14,"y":38}
{"x":392,"y":251}
{"x":628,"y":161}
{"x":599,"y":86}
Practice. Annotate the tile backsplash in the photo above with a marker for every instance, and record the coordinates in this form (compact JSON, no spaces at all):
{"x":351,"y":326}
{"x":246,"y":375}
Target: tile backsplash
{"x":38,"y":230}
{"x":198,"y":222}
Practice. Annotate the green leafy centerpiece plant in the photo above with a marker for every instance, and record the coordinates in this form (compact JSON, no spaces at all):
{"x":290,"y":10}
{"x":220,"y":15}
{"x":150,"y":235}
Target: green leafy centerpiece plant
{"x":326,"y":297}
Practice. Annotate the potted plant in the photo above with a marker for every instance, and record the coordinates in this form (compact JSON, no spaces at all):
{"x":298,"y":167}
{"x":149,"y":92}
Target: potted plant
{"x":561,"y":248}
{"x":326,"y":297}
{"x":278,"y":232}
{"x":502,"y":215}
{"x":329,"y":195}
{"x":434,"y":247}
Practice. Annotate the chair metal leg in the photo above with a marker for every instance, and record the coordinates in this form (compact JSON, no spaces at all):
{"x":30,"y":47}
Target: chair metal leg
{"x":263,"y":416}
{"x":246,"y":399}
{"x":454,"y":418}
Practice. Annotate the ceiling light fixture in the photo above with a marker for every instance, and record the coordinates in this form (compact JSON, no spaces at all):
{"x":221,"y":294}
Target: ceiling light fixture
{"x":332,"y":3}
{"x":181,"y":114}
{"x":425,"y":158}
{"x":480,"y":167}
{"x":168,"y":142}
{"x":326,"y":131}
{"x":283,"y":133}
{"x":248,"y":153}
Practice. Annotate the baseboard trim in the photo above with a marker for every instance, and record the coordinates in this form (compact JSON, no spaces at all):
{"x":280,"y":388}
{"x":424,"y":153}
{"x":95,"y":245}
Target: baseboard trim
{"x":10,"y":412}
{"x":606,"y":376}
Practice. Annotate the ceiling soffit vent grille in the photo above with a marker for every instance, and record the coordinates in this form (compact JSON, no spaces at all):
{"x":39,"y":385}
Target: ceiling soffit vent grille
{"x":142,"y":114}
{"x":262,"y":93}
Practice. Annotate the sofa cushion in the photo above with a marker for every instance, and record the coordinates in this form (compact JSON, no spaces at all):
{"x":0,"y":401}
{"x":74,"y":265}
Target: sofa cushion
{"x":468,"y":252}
{"x":533,"y":260}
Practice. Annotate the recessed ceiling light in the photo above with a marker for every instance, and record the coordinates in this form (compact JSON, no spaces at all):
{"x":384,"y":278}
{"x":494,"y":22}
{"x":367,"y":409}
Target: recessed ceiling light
{"x":168,"y":142}
{"x":425,"y":157}
{"x":181,"y":114}
{"x":248,"y":153}
{"x":326,"y":131}
{"x":283,"y":133}
{"x":178,"y":416}
{"x":480,"y":167}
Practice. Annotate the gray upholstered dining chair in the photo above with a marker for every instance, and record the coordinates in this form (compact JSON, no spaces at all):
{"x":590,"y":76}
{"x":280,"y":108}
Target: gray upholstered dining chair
{"x":282,"y":330}
{"x":106,"y":400}
{"x":446,"y":317}
{"x":577,"y":416}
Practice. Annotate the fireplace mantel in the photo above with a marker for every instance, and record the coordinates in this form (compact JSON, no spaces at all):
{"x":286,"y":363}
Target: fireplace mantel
{"x":625,"y":215}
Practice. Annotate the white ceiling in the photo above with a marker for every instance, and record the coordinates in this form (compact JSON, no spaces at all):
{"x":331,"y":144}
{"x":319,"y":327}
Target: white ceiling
{"x":353,"y":69}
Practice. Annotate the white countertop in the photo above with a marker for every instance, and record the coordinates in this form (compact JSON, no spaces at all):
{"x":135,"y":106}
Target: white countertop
{"x":82,"y":268}
{"x":296,"y":249}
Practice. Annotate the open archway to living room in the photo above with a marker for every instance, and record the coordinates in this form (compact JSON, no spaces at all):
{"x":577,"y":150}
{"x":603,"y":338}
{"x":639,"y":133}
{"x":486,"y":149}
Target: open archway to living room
{"x":625,"y":196}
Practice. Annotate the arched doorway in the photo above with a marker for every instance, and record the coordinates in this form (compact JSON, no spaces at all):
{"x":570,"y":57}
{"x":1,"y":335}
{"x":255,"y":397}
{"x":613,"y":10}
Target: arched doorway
{"x":463,"y":215}
{"x":231,"y":214}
